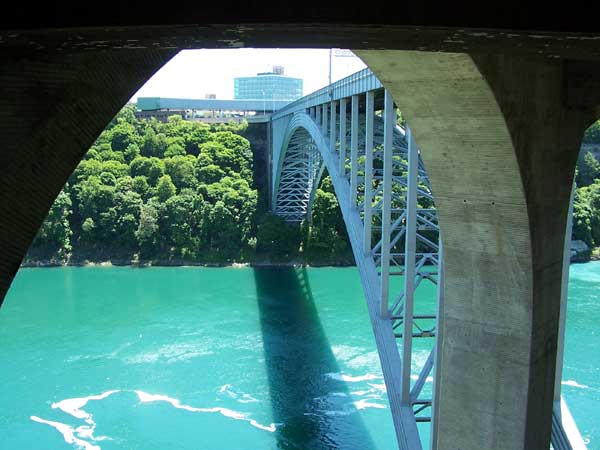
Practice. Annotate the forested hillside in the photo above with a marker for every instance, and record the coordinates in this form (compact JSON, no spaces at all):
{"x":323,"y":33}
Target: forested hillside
{"x":586,"y":206}
{"x":177,"y":193}
{"x":184,"y":193}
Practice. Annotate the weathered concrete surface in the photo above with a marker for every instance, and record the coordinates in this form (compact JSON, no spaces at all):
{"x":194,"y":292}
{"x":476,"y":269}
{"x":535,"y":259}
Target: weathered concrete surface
{"x":492,"y":37}
{"x":499,"y":136}
{"x":52,"y":108}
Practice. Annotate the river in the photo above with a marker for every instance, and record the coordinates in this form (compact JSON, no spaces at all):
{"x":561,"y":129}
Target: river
{"x":220,"y":358}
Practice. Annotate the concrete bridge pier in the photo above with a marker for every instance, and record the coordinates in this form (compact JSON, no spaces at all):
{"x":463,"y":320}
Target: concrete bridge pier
{"x":54,"y":105}
{"x":499,"y":136}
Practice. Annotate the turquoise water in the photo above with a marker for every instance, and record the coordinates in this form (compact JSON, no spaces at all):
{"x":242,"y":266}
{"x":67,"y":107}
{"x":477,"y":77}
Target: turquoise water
{"x":235,"y":358}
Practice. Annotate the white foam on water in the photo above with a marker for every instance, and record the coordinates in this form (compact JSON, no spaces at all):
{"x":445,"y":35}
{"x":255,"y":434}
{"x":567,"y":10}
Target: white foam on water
{"x":337,"y":412}
{"x":240,"y":397}
{"x":73,"y":406}
{"x":360,"y":393}
{"x":170,"y":353}
{"x":68,"y":434}
{"x":378,"y":387}
{"x":349,"y":378}
{"x":271,"y":428}
{"x":345,"y":352}
{"x":365,"y":403}
{"x":574,"y":383}
{"x":145,"y":397}
{"x":366,"y":361}
{"x":338,"y":394}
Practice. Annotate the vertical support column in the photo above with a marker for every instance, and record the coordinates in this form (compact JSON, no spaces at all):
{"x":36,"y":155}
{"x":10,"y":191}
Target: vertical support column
{"x":564,"y":293}
{"x":368,"y":204}
{"x":332,"y":128}
{"x":409,"y":263}
{"x":342,"y":160}
{"x":318,"y":115}
{"x":389,"y":117}
{"x":438,"y":342}
{"x":354,"y":151}
{"x":324,"y":118}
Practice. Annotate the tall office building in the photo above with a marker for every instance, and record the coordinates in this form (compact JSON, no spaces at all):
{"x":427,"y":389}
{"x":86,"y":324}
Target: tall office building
{"x":268,"y":86}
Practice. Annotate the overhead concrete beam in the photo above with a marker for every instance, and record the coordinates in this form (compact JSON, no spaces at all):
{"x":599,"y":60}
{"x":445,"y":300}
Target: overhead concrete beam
{"x":500,"y":138}
{"x":52,"y":108}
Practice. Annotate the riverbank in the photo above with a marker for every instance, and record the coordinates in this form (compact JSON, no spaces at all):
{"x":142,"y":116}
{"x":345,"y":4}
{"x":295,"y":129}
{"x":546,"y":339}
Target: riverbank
{"x":575,"y":259}
{"x":180,"y":263}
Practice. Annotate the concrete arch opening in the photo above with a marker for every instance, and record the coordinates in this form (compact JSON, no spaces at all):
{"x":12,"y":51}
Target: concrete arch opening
{"x":511,"y":124}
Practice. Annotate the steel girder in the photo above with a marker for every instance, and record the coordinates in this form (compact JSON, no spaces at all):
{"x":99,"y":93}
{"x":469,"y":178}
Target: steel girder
{"x":372,"y":184}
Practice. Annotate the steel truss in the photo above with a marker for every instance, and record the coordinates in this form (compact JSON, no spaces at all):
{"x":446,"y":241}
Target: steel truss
{"x":397,"y":232}
{"x":385,"y":197}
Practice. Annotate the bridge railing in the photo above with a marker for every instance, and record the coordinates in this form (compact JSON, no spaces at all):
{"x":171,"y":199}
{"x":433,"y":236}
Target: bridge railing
{"x":357,"y":83}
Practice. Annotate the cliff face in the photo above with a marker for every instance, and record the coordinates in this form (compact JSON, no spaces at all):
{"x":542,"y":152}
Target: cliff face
{"x":580,"y":252}
{"x":258,"y":135}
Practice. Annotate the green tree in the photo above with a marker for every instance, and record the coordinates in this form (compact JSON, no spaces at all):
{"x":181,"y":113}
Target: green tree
{"x":147,"y":232}
{"x":151,"y":168}
{"x":131,"y":152}
{"x":276,"y":238}
{"x":181,"y":171}
{"x":165,"y":188}
{"x":209,"y":174}
{"x":53,"y":238}
{"x":588,"y":170}
{"x":122,"y":136}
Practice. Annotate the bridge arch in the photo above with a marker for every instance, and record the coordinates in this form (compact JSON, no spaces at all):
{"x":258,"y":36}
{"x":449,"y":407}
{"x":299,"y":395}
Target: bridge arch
{"x":302,"y":148}
{"x":311,"y":142}
{"x":58,"y":105}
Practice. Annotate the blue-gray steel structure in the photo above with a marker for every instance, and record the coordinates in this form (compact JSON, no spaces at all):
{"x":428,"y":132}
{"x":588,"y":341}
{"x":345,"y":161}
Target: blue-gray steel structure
{"x":156,"y":103}
{"x":350,"y":128}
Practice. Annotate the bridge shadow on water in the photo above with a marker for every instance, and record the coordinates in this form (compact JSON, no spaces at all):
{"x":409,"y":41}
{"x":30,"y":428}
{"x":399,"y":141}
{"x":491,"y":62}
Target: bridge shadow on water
{"x":312,"y":407}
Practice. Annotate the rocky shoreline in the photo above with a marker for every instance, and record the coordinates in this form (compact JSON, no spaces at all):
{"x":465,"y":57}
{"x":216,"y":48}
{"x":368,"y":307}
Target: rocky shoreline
{"x":580,"y":253}
{"x":174,"y":263}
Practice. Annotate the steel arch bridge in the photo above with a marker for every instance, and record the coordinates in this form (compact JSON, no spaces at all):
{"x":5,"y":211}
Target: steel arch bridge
{"x":350,"y":129}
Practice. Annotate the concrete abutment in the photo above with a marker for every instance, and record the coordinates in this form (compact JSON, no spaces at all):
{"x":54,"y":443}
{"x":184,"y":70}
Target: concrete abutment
{"x":499,"y":136}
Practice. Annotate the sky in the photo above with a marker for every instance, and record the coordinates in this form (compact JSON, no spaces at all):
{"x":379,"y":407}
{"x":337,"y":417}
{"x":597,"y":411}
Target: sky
{"x":194,"y":73}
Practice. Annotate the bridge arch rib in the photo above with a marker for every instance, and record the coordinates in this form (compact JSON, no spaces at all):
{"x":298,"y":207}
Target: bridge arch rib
{"x":308,"y":145}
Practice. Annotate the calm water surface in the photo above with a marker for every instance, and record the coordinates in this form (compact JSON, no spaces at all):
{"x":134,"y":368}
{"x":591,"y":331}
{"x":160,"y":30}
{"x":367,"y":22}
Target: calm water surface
{"x":235,"y":359}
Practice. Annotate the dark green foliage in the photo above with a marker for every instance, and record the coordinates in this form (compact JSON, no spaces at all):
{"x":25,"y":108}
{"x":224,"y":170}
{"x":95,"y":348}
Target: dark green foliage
{"x":53,"y":238}
{"x":592,"y":134}
{"x":277,"y":238}
{"x":144,"y":191}
{"x":586,"y":214}
{"x":184,"y":191}
{"x":165,"y":189}
{"x":588,"y":170}
{"x":325,"y":239}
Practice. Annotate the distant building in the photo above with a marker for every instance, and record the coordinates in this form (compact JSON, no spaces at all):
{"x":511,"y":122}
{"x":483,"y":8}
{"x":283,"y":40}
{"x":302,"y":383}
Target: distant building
{"x":268,"y":86}
{"x":162,"y":115}
{"x":210,"y":96}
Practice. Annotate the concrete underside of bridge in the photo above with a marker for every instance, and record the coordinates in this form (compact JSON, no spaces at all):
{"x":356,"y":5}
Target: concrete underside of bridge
{"x":499,"y":127}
